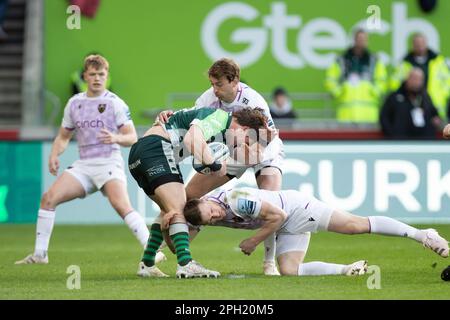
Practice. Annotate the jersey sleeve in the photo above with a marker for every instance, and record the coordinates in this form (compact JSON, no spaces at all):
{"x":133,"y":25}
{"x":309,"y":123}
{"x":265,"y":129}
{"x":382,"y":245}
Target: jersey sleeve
{"x":211,"y":121}
{"x":243,"y":203}
{"x":122,"y":113}
{"x":67,"y":118}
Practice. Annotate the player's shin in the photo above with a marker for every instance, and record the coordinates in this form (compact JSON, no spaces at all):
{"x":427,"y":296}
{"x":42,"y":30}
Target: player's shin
{"x":44,"y":228}
{"x":179,"y":234}
{"x":154,"y":241}
{"x":391,"y":227}
{"x":137,"y":225}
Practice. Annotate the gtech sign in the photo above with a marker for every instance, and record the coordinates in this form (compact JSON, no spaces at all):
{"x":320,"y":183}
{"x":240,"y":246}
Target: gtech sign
{"x":315,"y":41}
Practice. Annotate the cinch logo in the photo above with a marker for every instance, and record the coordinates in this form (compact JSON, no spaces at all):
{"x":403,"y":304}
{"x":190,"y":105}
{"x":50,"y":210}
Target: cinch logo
{"x":90,"y":124}
{"x":316,"y":42}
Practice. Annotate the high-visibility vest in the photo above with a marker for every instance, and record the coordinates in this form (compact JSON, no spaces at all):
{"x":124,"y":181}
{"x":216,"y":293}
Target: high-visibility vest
{"x":357,"y":102}
{"x":438,"y":80}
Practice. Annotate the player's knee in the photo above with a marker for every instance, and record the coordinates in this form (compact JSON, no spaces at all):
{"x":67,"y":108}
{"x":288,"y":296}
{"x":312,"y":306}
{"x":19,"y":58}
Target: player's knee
{"x":357,"y":226}
{"x":49,"y":200}
{"x":174,"y":217}
{"x":288,"y":268}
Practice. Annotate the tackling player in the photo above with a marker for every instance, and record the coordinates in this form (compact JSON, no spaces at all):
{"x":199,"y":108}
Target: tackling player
{"x":102,"y":123}
{"x":290,"y":213}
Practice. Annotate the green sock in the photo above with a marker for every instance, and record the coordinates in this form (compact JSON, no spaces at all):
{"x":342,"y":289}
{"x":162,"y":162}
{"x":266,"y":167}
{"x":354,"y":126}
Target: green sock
{"x":181,"y":242}
{"x":153,"y":244}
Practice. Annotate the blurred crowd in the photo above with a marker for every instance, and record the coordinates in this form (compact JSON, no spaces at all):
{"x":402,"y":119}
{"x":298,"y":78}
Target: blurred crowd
{"x":412,"y":102}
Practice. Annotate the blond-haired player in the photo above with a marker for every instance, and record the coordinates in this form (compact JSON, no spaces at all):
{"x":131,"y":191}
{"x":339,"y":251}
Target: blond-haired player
{"x":102,"y":123}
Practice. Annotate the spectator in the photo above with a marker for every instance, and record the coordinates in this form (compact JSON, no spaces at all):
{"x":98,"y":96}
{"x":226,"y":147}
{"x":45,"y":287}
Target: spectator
{"x":409,"y":112}
{"x":281,"y":106}
{"x":437,"y":74}
{"x":3,"y":7}
{"x":78,"y":82}
{"x":357,"y":80}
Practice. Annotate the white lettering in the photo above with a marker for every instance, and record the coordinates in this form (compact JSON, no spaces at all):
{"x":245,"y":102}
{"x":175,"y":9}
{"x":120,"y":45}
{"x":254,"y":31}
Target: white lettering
{"x":403,"y":191}
{"x":359,"y":186}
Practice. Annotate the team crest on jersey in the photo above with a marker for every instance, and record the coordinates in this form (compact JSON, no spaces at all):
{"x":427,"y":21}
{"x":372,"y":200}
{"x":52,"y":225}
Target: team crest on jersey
{"x":245,"y":101}
{"x":101,"y":107}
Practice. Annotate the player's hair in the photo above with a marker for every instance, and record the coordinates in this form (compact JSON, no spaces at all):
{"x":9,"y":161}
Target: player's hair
{"x":253,"y":118}
{"x":192,"y":213}
{"x":225,"y":68}
{"x":97,"y":61}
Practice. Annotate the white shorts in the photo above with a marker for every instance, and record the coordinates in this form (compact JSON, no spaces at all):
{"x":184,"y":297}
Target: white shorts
{"x":307,"y":214}
{"x":292,"y":242}
{"x":273,"y":157}
{"x":93,"y":174}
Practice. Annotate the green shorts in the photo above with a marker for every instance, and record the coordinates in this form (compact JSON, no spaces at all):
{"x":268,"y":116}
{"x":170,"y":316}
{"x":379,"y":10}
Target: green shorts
{"x":152,"y":163}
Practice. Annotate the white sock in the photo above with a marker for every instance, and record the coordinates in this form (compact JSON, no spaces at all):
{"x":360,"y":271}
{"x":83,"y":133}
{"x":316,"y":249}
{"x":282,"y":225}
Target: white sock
{"x":44,"y":228}
{"x":391,"y":227}
{"x":269,"y":248}
{"x":318,"y":268}
{"x":137,"y":225}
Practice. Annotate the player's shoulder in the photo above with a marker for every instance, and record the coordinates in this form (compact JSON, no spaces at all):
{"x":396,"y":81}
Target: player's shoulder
{"x":76,"y":98}
{"x":252,"y":97}
{"x":115,"y":100}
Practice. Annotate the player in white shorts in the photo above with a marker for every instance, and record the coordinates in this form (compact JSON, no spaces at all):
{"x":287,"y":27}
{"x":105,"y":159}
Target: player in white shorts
{"x":291,"y":214}
{"x":102,"y":123}
{"x":229,"y":94}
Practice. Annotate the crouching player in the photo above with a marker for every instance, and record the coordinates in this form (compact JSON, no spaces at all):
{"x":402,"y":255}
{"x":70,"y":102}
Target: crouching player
{"x":290,"y":214}
{"x":153,"y":162}
{"x":102,"y":123}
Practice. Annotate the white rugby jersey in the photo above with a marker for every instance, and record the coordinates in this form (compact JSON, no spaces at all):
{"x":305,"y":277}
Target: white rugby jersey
{"x":243,"y":205}
{"x":246,"y":97}
{"x":88,"y":115}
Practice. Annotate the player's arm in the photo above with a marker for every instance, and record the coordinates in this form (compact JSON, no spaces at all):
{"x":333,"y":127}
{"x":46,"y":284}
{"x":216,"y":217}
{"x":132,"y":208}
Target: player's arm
{"x":59,"y":145}
{"x":126,"y":137}
{"x":446,"y":132}
{"x":196,"y":145}
{"x":273,"y":218}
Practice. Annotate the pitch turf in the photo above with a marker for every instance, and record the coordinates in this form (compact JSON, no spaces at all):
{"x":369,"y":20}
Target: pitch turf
{"x":108,"y":257}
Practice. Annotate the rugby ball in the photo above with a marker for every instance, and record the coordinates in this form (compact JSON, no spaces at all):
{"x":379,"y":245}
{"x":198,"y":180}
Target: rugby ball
{"x":219,"y":151}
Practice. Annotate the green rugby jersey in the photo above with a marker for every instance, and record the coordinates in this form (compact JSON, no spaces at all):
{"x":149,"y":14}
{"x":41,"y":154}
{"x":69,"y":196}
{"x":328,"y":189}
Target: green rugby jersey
{"x":211,"y":121}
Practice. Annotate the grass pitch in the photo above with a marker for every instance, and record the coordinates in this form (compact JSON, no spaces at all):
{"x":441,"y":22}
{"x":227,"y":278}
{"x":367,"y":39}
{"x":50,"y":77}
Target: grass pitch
{"x":108,"y":258}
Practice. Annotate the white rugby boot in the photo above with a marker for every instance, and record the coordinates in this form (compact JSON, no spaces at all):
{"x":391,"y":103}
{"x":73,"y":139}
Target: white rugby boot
{"x":195,"y":270}
{"x":33,"y":259}
{"x":435,"y":242}
{"x":160,"y":257}
{"x":150,"y":272}
{"x":270,"y":268}
{"x":357,"y":268}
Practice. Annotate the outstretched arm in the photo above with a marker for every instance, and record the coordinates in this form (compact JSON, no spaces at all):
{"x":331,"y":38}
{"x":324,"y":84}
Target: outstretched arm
{"x":273,"y":218}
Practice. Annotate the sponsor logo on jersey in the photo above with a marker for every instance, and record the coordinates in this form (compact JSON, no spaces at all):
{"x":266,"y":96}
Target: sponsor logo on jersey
{"x":97,"y":123}
{"x":245,"y":101}
{"x":101,"y":107}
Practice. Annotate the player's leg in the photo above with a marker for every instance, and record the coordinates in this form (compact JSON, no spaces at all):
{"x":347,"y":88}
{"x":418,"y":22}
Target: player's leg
{"x":344,"y":222}
{"x":178,"y":230}
{"x":117,"y":194}
{"x":66,"y":187}
{"x":291,"y":251}
{"x":269,"y":178}
{"x":201,"y":184}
